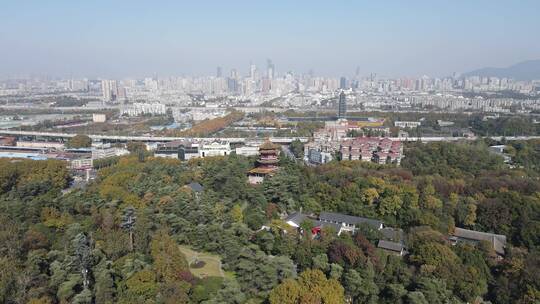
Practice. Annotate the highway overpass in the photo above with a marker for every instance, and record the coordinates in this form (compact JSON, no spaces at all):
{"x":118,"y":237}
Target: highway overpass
{"x":277,"y":140}
{"x":120,"y":138}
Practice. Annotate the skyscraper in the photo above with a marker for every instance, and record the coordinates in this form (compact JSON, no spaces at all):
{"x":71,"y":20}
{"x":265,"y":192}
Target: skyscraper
{"x":232,"y":85}
{"x":270,"y":69}
{"x":106,"y":90}
{"x":234,"y":74}
{"x":342,"y":106}
{"x":219,"y":72}
{"x":109,"y":90}
{"x":252,"y":71}
{"x":343,"y":83}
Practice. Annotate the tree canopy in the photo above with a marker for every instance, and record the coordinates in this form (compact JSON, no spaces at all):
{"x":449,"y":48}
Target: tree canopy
{"x":117,"y":239}
{"x":79,"y":141}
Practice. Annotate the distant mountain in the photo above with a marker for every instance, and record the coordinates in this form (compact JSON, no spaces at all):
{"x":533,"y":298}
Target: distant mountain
{"x":526,"y":70}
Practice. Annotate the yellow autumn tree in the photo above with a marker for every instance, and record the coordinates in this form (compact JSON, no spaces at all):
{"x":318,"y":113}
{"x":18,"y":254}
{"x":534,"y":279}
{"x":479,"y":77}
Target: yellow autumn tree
{"x":169,"y":261}
{"x":312,"y":286}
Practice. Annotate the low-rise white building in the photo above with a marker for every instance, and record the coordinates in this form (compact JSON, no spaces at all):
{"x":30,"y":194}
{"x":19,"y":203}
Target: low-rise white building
{"x":407,"y":124}
{"x":247,"y":151}
{"x":98,"y":153}
{"x":96,"y":117}
{"x":443,"y":123}
{"x":316,"y":156}
{"x":39,"y":144}
{"x":203,"y":114}
{"x":138,"y":109}
{"x":81,"y":163}
{"x":215,"y":149}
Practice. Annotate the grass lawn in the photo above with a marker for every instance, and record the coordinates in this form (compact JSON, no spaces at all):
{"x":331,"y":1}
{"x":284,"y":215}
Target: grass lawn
{"x":212,"y":267}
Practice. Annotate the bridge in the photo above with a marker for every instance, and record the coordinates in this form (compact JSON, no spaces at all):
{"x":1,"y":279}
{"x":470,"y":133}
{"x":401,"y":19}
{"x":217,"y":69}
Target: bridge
{"x":449,"y":138}
{"x":120,"y":138}
{"x":232,"y":140}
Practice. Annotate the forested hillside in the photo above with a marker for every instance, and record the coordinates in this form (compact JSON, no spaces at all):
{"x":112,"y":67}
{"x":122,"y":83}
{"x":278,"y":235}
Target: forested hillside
{"x":118,"y":240}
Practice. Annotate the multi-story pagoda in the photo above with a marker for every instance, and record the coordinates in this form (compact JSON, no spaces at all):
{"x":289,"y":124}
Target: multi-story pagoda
{"x":267,"y":164}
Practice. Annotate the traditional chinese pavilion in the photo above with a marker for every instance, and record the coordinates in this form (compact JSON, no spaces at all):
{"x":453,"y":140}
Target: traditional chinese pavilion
{"x":267,"y":164}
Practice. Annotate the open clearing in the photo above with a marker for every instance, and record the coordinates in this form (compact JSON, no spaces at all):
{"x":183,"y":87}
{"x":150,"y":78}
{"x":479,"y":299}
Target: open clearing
{"x":212,"y":267}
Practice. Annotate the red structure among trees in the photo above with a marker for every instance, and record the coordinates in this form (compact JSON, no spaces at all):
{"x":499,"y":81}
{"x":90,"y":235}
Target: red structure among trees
{"x":267,"y":164}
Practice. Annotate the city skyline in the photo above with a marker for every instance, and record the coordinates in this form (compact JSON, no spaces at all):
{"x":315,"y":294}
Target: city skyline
{"x":135,"y":39}
{"x":268,"y":70}
{"x":286,"y":151}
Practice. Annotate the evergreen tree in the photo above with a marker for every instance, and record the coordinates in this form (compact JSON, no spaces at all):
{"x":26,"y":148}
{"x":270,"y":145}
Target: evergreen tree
{"x":129,"y":219}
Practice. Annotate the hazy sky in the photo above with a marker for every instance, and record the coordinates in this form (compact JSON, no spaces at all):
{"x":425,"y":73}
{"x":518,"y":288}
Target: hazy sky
{"x":113,"y":38}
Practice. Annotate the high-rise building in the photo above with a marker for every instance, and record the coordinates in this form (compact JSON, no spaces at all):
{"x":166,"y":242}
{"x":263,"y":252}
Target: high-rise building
{"x":342,"y":106}
{"x":106,"y":90}
{"x":232,"y":85}
{"x":270,"y":69}
{"x":219,"y":72}
{"x":343,"y":83}
{"x":110,"y":90}
{"x":252,"y":71}
{"x":114,"y":90}
{"x":234,"y":74}
{"x":266,"y":84}
{"x":122,"y":94}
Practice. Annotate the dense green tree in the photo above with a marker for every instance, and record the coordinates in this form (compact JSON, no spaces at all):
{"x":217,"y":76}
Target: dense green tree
{"x":416,"y":297}
{"x":79,"y":141}
{"x":140,"y":287}
{"x":360,"y":285}
{"x":229,"y":293}
{"x":128,"y":223}
{"x":321,"y":262}
{"x":136,"y":146}
{"x":450,"y":160}
{"x":104,"y":284}
{"x":8,"y":279}
{"x":435,"y":291}
{"x":297,"y":148}
{"x":83,"y":259}
{"x":260,"y":273}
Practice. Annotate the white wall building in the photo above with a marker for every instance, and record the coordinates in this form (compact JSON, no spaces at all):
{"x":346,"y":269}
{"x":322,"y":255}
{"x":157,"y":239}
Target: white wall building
{"x":215,"y":149}
{"x":108,"y":152}
{"x":407,"y":124}
{"x":137,"y":109}
{"x":96,"y":117}
{"x":247,"y":151}
{"x":37,"y":144}
{"x":81,"y":163}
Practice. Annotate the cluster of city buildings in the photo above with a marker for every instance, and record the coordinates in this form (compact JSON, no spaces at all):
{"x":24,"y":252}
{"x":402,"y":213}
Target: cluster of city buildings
{"x":188,"y":149}
{"x":265,"y":87}
{"x":267,"y":152}
{"x":179,"y":114}
{"x":333,"y":141}
{"x":265,"y":80}
{"x":374,"y":149}
{"x":78,"y":159}
{"x":453,"y":103}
